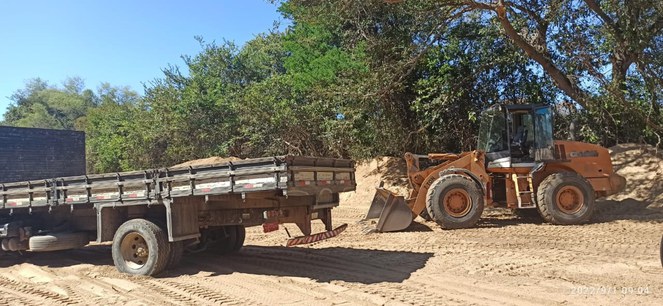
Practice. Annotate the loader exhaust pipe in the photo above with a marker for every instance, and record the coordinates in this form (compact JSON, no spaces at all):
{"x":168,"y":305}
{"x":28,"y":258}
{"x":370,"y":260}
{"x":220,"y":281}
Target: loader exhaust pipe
{"x":390,"y":209}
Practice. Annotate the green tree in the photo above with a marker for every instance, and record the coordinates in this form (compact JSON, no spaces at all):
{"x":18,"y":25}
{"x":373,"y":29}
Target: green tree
{"x":40,"y":105}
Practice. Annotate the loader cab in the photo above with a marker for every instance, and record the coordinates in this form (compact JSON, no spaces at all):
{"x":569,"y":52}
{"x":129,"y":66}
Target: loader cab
{"x":516,"y":135}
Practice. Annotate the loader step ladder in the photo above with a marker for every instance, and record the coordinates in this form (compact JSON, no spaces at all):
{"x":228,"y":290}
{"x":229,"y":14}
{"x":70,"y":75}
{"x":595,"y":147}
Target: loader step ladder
{"x":528,"y":194}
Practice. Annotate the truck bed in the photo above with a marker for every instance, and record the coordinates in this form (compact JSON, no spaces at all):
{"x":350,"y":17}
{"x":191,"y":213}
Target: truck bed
{"x":290,"y":175}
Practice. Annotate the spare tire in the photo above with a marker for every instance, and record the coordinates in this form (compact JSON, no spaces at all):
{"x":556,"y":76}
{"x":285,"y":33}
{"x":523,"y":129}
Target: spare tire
{"x":58,"y":241}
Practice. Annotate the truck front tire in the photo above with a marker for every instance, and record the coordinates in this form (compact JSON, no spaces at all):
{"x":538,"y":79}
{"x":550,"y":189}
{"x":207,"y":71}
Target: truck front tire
{"x":141,"y":247}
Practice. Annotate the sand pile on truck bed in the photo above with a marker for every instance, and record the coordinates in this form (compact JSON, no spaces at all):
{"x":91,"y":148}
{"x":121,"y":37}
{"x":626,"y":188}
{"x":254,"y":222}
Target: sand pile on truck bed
{"x":207,"y":161}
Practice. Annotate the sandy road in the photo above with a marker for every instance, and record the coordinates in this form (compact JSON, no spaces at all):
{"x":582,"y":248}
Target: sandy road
{"x":504,"y":260}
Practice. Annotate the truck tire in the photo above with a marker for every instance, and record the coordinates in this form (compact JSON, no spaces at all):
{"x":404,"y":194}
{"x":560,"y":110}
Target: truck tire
{"x":454,"y":201}
{"x":565,"y":198}
{"x":58,"y":241}
{"x":176,"y":253}
{"x":140,"y":247}
{"x":241,"y":235}
{"x":232,"y":239}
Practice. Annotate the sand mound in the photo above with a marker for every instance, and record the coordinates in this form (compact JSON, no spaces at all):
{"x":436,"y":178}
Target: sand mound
{"x":642,"y":166}
{"x":369,"y":173}
{"x":207,"y":161}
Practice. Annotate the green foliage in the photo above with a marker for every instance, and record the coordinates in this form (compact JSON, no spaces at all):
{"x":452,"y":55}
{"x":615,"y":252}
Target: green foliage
{"x":357,"y":79}
{"x":40,"y":105}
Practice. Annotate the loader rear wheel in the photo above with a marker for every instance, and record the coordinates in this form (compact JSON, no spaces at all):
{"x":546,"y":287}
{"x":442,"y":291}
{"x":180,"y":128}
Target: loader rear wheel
{"x":565,"y":198}
{"x":140,"y":247}
{"x":454,"y":201}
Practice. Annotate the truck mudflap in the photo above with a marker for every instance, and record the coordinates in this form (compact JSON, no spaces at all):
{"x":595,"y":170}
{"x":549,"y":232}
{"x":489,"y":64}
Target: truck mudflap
{"x":316,"y":237}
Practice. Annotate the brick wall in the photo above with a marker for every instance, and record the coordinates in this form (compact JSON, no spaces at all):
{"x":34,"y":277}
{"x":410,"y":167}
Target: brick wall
{"x":33,"y":154}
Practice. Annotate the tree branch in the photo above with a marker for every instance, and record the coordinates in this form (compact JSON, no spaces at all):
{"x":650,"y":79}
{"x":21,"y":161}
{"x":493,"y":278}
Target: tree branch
{"x":562,"y":81}
{"x":596,"y":8}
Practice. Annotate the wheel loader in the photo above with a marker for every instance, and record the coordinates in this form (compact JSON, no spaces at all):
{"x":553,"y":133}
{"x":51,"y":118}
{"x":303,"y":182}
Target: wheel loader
{"x":517,"y":165}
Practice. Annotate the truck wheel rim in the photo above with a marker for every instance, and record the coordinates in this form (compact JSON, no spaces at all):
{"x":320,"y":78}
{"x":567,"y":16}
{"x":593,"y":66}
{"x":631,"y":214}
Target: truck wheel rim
{"x":134,"y":250}
{"x":457,"y":202}
{"x":570,"y":199}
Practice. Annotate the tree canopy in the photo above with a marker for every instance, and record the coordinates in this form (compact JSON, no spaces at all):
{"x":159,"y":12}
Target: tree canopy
{"x":357,"y":79}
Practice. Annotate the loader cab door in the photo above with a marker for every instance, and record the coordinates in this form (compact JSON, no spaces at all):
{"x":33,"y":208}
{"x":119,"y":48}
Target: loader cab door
{"x":520,"y":121}
{"x":543,"y":137}
{"x":493,"y":138}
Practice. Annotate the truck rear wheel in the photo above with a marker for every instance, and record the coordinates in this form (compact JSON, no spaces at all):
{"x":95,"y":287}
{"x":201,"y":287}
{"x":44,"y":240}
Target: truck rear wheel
{"x":140,"y":247}
{"x":234,"y":239}
{"x":241,"y":235}
{"x":565,"y":198}
{"x":454,"y":201}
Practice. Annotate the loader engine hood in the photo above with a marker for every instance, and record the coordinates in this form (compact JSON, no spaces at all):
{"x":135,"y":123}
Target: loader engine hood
{"x":590,"y":161}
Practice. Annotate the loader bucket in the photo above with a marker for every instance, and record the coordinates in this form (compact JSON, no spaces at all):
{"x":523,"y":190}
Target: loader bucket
{"x":393,"y":213}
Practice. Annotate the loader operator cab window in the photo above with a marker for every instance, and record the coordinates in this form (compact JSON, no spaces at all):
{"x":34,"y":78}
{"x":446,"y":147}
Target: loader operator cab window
{"x":521,"y":131}
{"x":493,"y":138}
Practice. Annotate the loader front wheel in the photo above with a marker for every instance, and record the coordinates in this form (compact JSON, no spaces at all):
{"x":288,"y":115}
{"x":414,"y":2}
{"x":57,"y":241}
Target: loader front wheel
{"x":454,"y":201}
{"x":565,"y":198}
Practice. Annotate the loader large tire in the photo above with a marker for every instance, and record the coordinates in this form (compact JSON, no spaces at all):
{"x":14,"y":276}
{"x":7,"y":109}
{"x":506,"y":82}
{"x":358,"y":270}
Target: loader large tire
{"x":141,"y":247}
{"x":424,"y":215}
{"x":565,"y":198}
{"x":454,"y":201}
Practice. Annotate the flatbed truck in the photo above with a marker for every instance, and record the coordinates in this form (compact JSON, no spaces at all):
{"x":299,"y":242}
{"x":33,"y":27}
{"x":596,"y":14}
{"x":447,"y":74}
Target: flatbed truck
{"x":152,"y":216}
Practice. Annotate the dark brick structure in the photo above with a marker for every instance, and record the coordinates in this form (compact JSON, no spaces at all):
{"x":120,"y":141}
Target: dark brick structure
{"x":33,"y":154}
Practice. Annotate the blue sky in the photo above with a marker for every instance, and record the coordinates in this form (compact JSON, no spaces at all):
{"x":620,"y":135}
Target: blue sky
{"x":125,"y":43}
